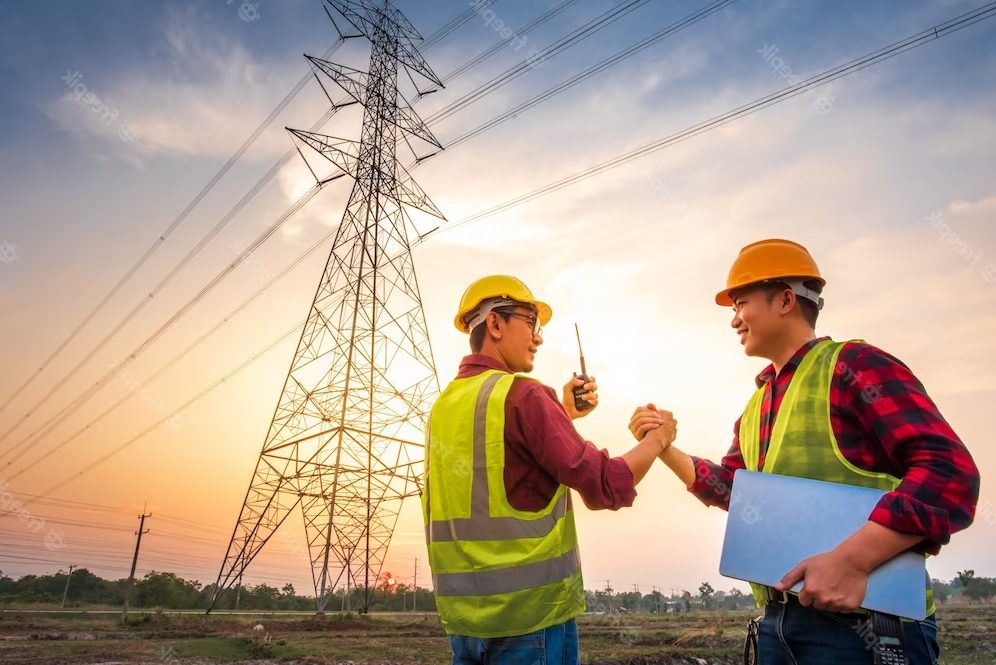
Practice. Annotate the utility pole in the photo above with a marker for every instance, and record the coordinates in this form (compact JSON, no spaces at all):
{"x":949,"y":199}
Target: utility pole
{"x":346,"y":443}
{"x":65,"y":592}
{"x":415,"y":586}
{"x":349,"y":577}
{"x":134,"y":562}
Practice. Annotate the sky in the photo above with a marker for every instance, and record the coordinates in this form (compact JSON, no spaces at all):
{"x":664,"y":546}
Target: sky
{"x":114,"y":116}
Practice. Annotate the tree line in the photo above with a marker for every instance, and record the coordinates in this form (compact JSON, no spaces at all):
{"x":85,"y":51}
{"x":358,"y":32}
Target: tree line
{"x":167,"y":590}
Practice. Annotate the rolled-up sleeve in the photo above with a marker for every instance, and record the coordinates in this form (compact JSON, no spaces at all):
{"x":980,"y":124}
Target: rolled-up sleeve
{"x":714,"y":482}
{"x":940,"y":481}
{"x":602,"y":481}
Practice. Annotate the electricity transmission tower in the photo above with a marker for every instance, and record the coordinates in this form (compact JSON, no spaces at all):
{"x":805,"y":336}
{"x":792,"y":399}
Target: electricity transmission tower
{"x":346,"y":444}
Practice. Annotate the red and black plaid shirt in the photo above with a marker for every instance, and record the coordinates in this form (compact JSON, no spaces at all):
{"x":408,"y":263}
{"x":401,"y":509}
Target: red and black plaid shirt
{"x":885,"y":422}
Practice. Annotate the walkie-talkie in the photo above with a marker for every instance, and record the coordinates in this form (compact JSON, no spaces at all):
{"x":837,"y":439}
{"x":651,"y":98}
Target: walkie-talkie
{"x":580,"y":403}
{"x":890,"y":642}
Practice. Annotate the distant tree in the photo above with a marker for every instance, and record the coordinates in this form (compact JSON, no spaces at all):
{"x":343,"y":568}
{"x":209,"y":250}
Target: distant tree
{"x":630,"y":600}
{"x":706,"y":594}
{"x":166,"y":590}
{"x":735,"y":598}
{"x":980,"y":588}
{"x":261,"y":597}
{"x":942,"y":591}
{"x":686,"y":597}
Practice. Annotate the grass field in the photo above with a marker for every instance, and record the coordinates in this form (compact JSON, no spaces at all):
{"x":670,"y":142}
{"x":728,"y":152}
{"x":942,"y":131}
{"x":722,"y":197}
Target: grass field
{"x":968,"y":636}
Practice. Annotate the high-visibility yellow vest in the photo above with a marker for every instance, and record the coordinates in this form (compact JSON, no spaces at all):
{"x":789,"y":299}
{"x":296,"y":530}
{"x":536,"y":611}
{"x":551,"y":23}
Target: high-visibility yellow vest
{"x":802,"y":441}
{"x":497,"y":571}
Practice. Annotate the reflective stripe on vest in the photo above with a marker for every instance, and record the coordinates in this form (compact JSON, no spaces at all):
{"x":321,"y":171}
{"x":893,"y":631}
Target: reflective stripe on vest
{"x":498,"y":571}
{"x":802,"y":442}
{"x":503,"y":580}
{"x":480,"y":525}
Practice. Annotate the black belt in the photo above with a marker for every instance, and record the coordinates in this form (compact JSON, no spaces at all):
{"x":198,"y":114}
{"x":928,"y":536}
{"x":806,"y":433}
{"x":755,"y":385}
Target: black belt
{"x":888,"y":642}
{"x":786,"y":598}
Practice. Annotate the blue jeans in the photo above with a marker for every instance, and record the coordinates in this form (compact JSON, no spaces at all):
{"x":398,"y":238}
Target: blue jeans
{"x":556,"y":645}
{"x":791,"y":634}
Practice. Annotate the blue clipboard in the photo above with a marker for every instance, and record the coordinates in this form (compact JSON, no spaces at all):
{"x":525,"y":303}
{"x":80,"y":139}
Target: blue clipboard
{"x":777,"y":521}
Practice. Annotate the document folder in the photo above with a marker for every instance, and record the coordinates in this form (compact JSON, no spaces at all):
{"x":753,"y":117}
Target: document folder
{"x":777,"y":521}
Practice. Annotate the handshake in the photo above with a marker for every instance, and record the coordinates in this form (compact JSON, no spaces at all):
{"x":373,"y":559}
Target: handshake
{"x":656,"y":425}
{"x":648,"y":422}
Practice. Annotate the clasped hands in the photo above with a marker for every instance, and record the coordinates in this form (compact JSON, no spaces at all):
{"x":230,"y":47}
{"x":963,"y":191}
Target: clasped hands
{"x":649,"y":421}
{"x":833,"y":581}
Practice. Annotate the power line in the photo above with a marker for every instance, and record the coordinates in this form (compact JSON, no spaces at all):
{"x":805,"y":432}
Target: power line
{"x":60,"y":416}
{"x":520,"y":32}
{"x":944,"y":29}
{"x":253,"y":191}
{"x":597,"y":68}
{"x":941,"y":30}
{"x":558,"y":47}
{"x":163,"y":369}
{"x":169,"y":230}
{"x":832,"y":74}
{"x":84,"y":397}
{"x":117,"y":368}
{"x":441,"y":34}
{"x":445,"y":31}
{"x":161,"y":421}
{"x":448,"y":29}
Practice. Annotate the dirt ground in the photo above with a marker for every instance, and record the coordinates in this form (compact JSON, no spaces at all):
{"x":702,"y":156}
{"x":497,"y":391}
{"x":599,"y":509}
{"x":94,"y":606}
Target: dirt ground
{"x":698,"y":638}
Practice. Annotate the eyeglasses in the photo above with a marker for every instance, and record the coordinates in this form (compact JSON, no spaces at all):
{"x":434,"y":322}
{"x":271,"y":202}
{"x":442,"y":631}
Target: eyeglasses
{"x":531,"y":319}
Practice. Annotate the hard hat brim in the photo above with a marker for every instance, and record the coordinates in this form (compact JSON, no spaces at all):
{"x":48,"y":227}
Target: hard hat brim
{"x":543,"y":311}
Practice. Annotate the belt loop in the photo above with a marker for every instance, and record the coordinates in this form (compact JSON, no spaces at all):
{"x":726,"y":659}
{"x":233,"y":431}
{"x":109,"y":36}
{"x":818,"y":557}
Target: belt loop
{"x":774,"y":595}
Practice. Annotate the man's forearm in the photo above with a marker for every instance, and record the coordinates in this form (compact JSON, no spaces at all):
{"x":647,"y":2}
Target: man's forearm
{"x":680,"y":463}
{"x":874,"y":544}
{"x":641,"y":457}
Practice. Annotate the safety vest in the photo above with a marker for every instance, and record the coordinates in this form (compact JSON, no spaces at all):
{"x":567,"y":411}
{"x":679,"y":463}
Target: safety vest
{"x":802,"y":440}
{"x":497,"y":571}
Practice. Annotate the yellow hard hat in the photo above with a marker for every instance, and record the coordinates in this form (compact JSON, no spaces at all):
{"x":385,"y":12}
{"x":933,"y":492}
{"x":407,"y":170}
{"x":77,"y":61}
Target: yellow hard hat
{"x":766,"y":260}
{"x":495,"y":287}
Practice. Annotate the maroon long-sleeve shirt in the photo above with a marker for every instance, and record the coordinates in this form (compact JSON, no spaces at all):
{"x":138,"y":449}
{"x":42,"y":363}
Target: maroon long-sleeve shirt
{"x":884,"y":421}
{"x":544,"y":451}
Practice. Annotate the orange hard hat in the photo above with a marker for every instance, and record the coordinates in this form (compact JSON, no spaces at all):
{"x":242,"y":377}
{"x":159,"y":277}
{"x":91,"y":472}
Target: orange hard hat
{"x":498,"y":290}
{"x":769,"y":260}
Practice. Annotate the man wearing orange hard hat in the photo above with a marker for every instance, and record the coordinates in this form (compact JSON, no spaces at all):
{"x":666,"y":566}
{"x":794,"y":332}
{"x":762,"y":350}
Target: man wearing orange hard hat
{"x":844,"y":412}
{"x":502,"y":457}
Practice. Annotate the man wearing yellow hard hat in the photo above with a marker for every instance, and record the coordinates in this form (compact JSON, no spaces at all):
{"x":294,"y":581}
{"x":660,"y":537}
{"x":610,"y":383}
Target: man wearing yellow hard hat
{"x":501,"y":458}
{"x":844,"y":412}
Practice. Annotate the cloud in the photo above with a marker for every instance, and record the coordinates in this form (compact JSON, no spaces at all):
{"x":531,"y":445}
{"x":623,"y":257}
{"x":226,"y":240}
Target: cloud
{"x":211,"y":96}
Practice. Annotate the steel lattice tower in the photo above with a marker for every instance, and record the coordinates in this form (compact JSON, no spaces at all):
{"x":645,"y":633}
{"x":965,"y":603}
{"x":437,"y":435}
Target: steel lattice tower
{"x":346,"y":442}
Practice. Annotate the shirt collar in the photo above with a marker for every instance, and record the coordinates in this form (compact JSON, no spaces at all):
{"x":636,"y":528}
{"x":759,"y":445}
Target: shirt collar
{"x":768,"y":374}
{"x":476,"y":363}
